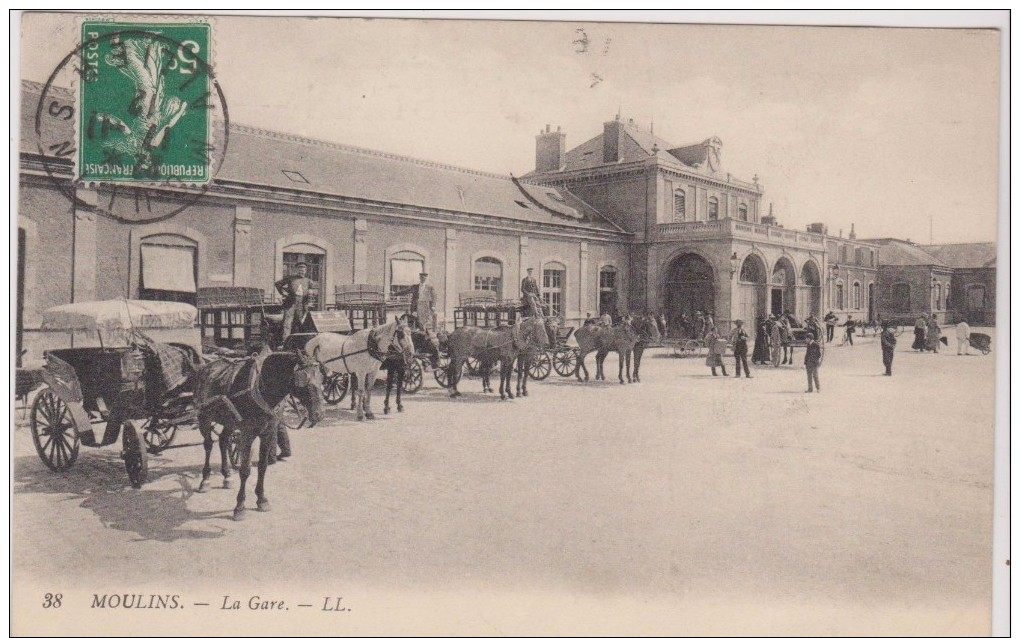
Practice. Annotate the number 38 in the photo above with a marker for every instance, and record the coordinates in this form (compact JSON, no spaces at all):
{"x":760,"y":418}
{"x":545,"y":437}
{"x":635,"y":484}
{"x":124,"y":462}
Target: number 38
{"x":186,"y":54}
{"x":52,"y":600}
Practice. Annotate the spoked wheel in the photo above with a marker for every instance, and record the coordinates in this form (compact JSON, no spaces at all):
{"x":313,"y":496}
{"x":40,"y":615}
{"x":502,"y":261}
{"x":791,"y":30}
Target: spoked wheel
{"x":565,"y":362}
{"x":692,"y":347}
{"x":540,"y":367}
{"x":135,"y":458}
{"x":678,"y":349}
{"x":53,"y":431}
{"x":292,"y":413}
{"x":471,"y":367}
{"x":413,"y":377}
{"x":334,"y":387}
{"x":158,"y":434}
{"x":439,"y":372}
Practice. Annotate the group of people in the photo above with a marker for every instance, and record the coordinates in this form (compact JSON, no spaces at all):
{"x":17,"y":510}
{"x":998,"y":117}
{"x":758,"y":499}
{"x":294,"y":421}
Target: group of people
{"x":697,"y":327}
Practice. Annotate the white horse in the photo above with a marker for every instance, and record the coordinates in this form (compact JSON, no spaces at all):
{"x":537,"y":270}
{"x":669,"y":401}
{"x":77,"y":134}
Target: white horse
{"x":361,"y":355}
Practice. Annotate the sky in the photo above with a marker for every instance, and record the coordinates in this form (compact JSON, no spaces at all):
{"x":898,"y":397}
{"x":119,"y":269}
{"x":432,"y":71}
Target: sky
{"x":894,"y":130}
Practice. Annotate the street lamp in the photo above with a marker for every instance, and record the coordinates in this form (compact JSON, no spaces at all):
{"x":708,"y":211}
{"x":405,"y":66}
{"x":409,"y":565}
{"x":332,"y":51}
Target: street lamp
{"x":734,"y":262}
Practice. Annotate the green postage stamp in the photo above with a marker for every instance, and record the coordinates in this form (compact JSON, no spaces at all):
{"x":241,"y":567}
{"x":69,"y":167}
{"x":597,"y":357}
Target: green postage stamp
{"x":144,"y":103}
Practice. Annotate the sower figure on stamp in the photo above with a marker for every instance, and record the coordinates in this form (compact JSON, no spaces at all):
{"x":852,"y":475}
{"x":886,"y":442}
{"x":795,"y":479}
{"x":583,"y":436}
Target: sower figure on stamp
{"x":531,"y":295}
{"x":297,"y":291}
{"x":423,"y":303}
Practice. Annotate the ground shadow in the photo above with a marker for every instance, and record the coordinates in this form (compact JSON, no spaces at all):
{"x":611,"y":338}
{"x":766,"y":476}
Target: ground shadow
{"x":101,"y":482}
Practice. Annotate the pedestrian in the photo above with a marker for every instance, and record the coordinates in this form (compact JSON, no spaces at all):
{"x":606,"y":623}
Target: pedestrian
{"x":830,"y":325}
{"x":716,"y":350}
{"x":423,"y":303}
{"x":813,"y":326}
{"x":738,"y":339}
{"x":962,"y":338}
{"x":888,"y":347}
{"x":934,"y":337}
{"x":606,"y":319}
{"x":761,"y":342}
{"x":660,"y":321}
{"x":850,"y":326}
{"x":709,"y":324}
{"x":776,"y":341}
{"x":699,"y":325}
{"x":297,"y":291}
{"x":813,"y":361}
{"x":282,"y":441}
{"x":920,"y":333}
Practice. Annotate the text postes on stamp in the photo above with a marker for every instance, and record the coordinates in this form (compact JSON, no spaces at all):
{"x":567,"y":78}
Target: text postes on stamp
{"x":144,"y":103}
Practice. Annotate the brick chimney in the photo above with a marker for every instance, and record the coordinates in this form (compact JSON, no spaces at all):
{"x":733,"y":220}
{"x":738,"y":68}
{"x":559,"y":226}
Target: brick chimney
{"x":549,"y":150}
{"x":612,"y":141}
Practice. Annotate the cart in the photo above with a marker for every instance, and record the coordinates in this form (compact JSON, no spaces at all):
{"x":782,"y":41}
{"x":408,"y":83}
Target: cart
{"x":232,"y":318}
{"x":560,"y":356}
{"x":136,"y":381}
{"x":981,"y":342}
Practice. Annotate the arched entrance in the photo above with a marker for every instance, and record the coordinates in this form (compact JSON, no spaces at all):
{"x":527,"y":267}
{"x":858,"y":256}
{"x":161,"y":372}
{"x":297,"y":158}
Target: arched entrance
{"x":812,"y":282}
{"x":752,"y":292}
{"x":690,"y":287}
{"x":784,"y":282}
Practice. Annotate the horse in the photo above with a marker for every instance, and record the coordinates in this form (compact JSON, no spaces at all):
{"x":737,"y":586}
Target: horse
{"x":602,"y":339}
{"x":396,"y":365}
{"x":505,"y":345}
{"x":361,"y":356}
{"x":648,"y":332}
{"x":241,"y":395}
{"x":786,"y":339}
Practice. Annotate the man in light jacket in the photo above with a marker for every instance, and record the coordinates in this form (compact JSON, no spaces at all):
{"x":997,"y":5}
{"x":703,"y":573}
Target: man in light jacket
{"x":962,"y":338}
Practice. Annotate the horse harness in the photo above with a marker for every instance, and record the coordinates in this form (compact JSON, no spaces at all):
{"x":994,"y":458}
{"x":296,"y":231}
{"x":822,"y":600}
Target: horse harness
{"x":372,"y":349}
{"x":252,"y":391}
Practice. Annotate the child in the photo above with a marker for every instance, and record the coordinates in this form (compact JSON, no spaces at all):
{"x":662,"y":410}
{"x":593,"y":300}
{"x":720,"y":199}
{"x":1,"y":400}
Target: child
{"x":813,"y":361}
{"x":716,"y":350}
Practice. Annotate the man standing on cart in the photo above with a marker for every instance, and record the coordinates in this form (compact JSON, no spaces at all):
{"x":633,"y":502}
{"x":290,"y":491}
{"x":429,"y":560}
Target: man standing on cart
{"x":531,"y":295}
{"x":297,"y":292}
{"x":423,"y":303}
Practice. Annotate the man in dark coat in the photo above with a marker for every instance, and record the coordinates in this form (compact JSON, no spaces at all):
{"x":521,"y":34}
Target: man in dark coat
{"x":813,"y":361}
{"x":531,"y":295}
{"x":761,"y":342}
{"x":888,"y":348}
{"x":830,"y":325}
{"x":738,"y":339}
{"x":297,"y":291}
{"x":423,"y":303}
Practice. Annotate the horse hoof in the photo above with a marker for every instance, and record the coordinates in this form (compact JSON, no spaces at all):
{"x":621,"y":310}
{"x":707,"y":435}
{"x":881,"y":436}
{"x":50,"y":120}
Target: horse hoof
{"x":510,"y":396}
{"x":621,"y":382}
{"x":502,"y":398}
{"x":525,"y":393}
{"x":385,"y":410}
{"x":400,"y":408}
{"x":263,"y":506}
{"x":370,"y":416}
{"x":202,"y":488}
{"x":227,"y":484}
{"x":239,"y":515}
{"x":361,"y":417}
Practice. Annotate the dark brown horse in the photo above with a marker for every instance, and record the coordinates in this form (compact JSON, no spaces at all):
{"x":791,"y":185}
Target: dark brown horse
{"x":242,"y":395}
{"x":648,"y":332}
{"x":508,"y":346}
{"x":396,"y":365}
{"x":620,"y":338}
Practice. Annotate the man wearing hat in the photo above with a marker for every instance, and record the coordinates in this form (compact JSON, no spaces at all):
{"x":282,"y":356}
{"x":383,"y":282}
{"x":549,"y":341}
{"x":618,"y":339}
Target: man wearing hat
{"x":738,"y":339}
{"x":423,"y":303}
{"x":297,"y":291}
{"x":531,"y":295}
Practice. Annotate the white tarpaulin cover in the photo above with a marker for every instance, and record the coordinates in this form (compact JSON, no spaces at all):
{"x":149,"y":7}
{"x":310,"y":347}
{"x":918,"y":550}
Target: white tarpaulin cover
{"x":405,"y":271}
{"x":118,"y":315}
{"x":168,"y":268}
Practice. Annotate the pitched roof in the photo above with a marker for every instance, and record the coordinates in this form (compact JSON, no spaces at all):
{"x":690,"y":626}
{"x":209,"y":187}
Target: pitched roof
{"x":896,"y":252}
{"x":973,"y":255}
{"x":637,"y":146}
{"x":267,"y":158}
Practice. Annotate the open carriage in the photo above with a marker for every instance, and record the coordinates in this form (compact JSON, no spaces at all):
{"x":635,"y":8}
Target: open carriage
{"x":132,"y":380}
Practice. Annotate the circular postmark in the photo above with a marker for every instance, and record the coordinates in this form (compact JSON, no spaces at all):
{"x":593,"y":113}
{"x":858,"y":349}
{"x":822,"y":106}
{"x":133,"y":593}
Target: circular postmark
{"x":133,"y":123}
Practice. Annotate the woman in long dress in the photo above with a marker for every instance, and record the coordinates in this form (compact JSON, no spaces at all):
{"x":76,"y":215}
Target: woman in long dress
{"x":761,"y":343}
{"x":934,"y":334}
{"x":920,"y":333}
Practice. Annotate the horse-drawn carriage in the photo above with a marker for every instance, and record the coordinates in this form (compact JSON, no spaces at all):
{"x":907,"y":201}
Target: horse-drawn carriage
{"x":133,"y":379}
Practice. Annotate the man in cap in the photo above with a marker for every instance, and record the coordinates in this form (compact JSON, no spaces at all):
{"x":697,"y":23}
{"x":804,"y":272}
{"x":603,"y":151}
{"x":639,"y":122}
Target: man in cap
{"x":738,"y":339}
{"x":423,"y":303}
{"x":531,"y":295}
{"x":297,"y":291}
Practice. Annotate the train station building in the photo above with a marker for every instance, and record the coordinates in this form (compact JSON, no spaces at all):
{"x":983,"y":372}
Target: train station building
{"x":625,"y":221}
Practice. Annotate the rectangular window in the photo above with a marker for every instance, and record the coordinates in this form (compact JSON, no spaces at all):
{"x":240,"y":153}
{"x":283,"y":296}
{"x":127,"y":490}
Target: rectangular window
{"x":842,"y":254}
{"x":607,"y":279}
{"x":976,"y":297}
{"x":316,"y":263}
{"x":168,"y":273}
{"x":552,"y":289}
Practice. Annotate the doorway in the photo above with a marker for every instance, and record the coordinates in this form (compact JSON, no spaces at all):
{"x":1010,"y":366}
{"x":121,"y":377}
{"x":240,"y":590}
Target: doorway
{"x":777,"y":302}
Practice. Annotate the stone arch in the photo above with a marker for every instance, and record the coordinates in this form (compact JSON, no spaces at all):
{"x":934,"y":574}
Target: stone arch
{"x":751,"y":299}
{"x":811,"y":280}
{"x":404,"y":247}
{"x":783,"y":286}
{"x":689,"y":285}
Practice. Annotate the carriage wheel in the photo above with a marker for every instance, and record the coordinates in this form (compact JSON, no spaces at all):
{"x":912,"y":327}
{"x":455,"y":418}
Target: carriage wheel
{"x":413,"y":380}
{"x":540,"y":367}
{"x":158,"y":435}
{"x":678,"y":349}
{"x":135,"y":458}
{"x":335,"y":387}
{"x":692,"y":347}
{"x":565,"y":362}
{"x":53,"y":431}
{"x":471,"y":367}
{"x":292,"y":413}
{"x":439,"y":372}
